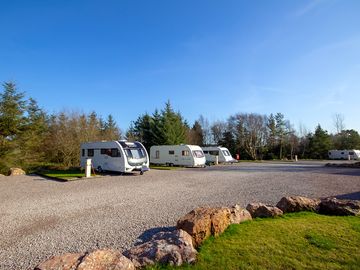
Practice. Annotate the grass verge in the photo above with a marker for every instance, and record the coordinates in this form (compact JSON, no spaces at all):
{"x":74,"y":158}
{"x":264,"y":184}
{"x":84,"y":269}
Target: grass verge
{"x":68,"y":175}
{"x":295,"y":241}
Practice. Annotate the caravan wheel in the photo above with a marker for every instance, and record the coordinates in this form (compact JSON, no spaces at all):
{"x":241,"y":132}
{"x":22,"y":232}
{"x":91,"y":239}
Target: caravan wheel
{"x":99,"y":169}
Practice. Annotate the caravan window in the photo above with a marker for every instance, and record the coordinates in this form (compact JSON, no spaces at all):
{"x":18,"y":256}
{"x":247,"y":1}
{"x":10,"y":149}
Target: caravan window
{"x":214,"y":153}
{"x":171,"y":152}
{"x":226,"y":153}
{"x":185,"y":153}
{"x":205,"y":152}
{"x":83,"y":152}
{"x":351,"y":153}
{"x":198,"y":153}
{"x":90,"y":152}
{"x":115,"y":152}
{"x":135,"y":153}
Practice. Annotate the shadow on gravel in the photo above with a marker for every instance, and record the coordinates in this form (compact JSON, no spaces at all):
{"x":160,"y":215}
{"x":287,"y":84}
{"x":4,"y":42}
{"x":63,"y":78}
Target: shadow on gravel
{"x":349,"y":196}
{"x":345,"y":171}
{"x":290,"y":167}
{"x":272,"y":168}
{"x":148,"y":234}
{"x":48,"y":178}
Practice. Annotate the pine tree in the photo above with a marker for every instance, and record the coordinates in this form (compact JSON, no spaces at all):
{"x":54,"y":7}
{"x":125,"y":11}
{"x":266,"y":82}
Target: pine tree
{"x":196,"y":134}
{"x":173,"y":126}
{"x":12,"y":108}
{"x":157,"y":129}
{"x":280,"y":132}
{"x":271,"y":138}
{"x":12,"y":120}
{"x":228,"y":141}
{"x":111,"y":130}
{"x":33,"y":135}
{"x":347,"y":139}
{"x":319,"y":144}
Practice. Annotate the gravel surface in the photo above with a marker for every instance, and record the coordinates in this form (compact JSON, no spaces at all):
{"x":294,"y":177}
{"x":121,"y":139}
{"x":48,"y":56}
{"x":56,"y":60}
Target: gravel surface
{"x":40,"y":218}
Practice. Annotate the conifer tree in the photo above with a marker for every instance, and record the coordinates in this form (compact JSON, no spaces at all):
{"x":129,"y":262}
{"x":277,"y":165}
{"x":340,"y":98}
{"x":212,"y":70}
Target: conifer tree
{"x":319,"y":144}
{"x":12,"y":107}
{"x":174,"y":128}
{"x":34,"y":134}
{"x":111,"y":130}
{"x":12,"y":120}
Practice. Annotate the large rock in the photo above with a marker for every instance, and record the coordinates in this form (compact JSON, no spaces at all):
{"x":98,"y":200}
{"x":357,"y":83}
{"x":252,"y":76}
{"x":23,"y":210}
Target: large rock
{"x":239,"y":215}
{"x":202,"y":222}
{"x":262,"y":210}
{"x":16,"y":171}
{"x":333,"y":206}
{"x":297,"y":204}
{"x":197,"y":223}
{"x":171,"y":247}
{"x":68,"y":261}
{"x":220,"y":220}
{"x":105,"y":259}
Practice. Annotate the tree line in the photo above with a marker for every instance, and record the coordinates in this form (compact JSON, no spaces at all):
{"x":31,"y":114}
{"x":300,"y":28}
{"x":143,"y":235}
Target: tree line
{"x":30,"y":137}
{"x":249,"y":135}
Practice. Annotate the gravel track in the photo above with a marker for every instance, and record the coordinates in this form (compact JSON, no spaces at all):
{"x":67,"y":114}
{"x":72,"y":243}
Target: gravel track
{"x":40,"y":218}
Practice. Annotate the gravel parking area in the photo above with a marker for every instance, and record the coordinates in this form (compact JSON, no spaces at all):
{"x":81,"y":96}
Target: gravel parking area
{"x":40,"y":217}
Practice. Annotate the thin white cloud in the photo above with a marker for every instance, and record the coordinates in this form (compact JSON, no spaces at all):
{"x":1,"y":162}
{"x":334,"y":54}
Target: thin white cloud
{"x":310,"y":6}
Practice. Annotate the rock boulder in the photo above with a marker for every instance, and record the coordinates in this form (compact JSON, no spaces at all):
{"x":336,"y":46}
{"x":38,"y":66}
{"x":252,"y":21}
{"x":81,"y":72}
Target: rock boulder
{"x":220,"y":220}
{"x":68,"y":261}
{"x":297,"y":204}
{"x":202,"y":222}
{"x":170,"y":247}
{"x":16,"y":171}
{"x":262,"y":210}
{"x":333,"y":206}
{"x":239,"y":215}
{"x":102,"y":259}
{"x":197,"y":223}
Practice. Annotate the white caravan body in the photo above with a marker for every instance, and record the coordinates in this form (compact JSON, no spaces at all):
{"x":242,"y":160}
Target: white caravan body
{"x":223,"y":154}
{"x":344,"y":154}
{"x":181,"y":155}
{"x":118,"y":156}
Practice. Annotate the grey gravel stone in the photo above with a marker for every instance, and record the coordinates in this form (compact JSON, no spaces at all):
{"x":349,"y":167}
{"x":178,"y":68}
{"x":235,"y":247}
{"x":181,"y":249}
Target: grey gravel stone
{"x":40,"y":218}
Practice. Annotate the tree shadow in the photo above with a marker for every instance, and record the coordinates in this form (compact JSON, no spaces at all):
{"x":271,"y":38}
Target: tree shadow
{"x":148,"y":234}
{"x":49,"y":178}
{"x":349,"y":196}
{"x":344,"y":171}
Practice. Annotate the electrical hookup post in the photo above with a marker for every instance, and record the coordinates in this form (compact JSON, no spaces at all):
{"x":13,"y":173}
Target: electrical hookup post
{"x":88,"y":168}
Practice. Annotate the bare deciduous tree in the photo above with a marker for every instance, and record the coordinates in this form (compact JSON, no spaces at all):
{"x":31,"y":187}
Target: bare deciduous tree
{"x":217,"y":130}
{"x":251,"y":132}
{"x":339,"y":122}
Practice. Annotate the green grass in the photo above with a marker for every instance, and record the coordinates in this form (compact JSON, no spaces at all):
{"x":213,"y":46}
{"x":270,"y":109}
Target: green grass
{"x":71,"y":174}
{"x":295,"y":241}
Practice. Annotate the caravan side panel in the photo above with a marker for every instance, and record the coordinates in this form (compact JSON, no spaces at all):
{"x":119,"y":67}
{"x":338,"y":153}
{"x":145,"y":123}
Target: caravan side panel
{"x":180,"y":155}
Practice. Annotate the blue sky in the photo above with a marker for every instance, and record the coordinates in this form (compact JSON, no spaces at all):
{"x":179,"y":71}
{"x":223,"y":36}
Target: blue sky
{"x":214,"y":58}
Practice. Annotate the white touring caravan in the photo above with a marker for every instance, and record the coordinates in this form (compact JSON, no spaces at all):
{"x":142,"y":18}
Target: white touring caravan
{"x":344,"y":154}
{"x":223,"y":154}
{"x":180,"y":155}
{"x":118,"y":156}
